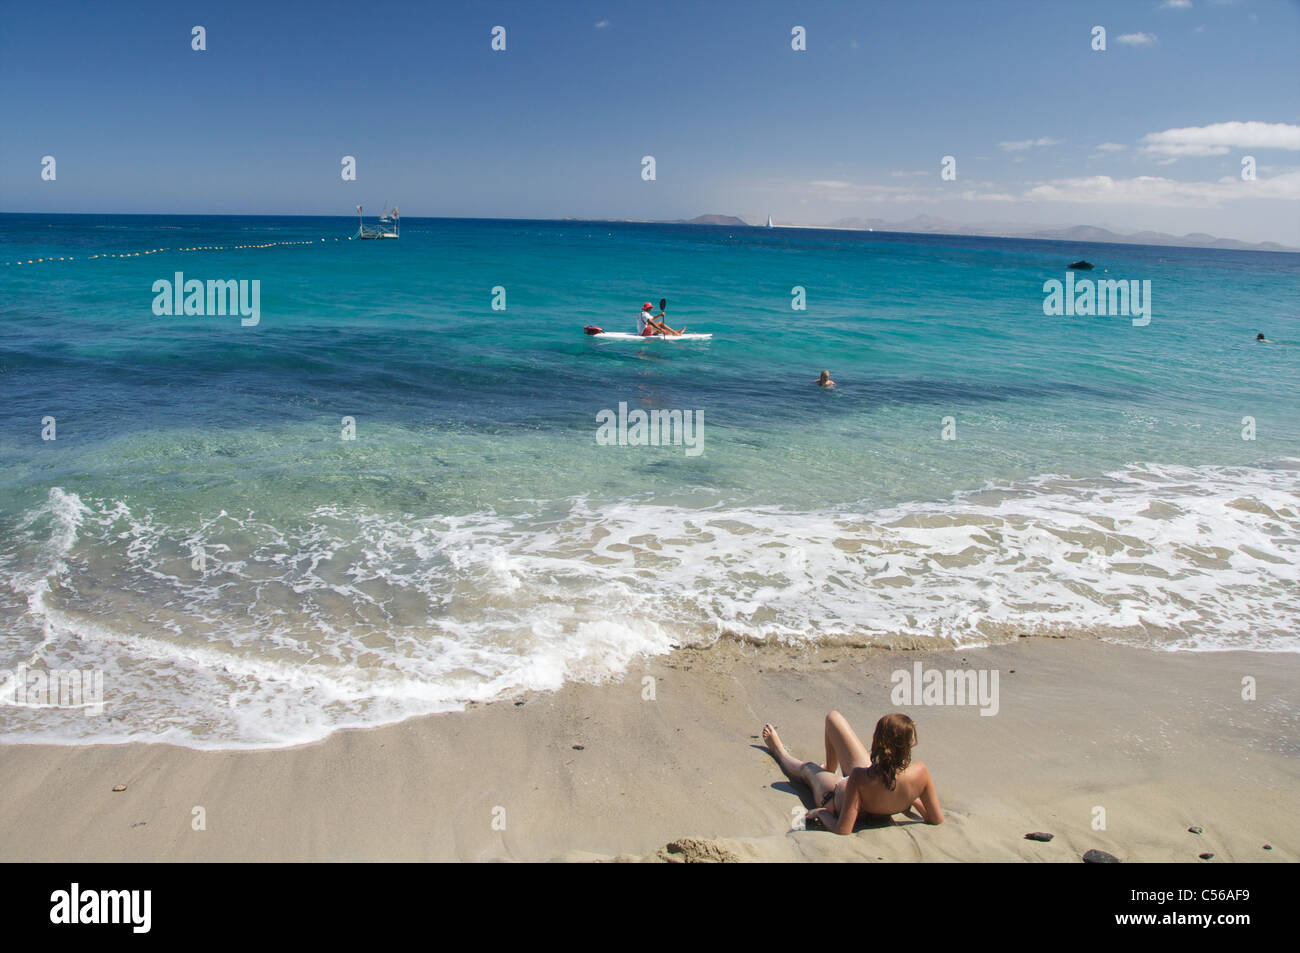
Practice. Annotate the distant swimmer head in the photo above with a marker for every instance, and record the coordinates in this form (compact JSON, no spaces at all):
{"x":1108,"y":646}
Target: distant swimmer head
{"x":1260,"y":337}
{"x":825,"y":379}
{"x":891,"y":746}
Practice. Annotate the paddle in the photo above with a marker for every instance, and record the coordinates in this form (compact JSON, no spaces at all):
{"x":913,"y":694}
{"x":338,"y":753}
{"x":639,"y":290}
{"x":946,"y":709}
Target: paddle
{"x":663,"y":311}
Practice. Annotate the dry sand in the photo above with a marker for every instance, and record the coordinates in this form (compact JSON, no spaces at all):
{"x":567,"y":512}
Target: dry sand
{"x":1161,"y":741}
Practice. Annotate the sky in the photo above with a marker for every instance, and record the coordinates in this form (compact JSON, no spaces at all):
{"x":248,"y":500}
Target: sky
{"x":1149,"y":133}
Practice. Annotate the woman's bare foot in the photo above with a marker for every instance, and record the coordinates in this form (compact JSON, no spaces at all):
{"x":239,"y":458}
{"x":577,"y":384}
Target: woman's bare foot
{"x":772,"y":741}
{"x":793,"y":769}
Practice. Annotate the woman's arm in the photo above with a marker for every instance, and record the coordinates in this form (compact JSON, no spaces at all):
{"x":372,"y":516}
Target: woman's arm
{"x":828,"y":819}
{"x":843,"y":824}
{"x":929,"y":800}
{"x":820,"y":816}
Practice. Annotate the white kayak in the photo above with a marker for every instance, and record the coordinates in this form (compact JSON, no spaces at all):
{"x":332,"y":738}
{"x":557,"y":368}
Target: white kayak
{"x":625,"y":336}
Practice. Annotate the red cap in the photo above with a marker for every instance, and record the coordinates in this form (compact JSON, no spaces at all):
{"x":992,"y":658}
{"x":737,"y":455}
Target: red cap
{"x":647,"y":306}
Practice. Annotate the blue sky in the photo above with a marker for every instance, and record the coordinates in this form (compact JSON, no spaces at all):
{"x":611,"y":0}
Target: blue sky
{"x":1043,"y":128}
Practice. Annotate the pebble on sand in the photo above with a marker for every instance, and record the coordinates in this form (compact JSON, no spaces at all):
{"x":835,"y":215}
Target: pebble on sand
{"x":578,"y":748}
{"x":1039,"y":835}
{"x":1196,"y":830}
{"x":119,"y":788}
{"x":1095,"y":856}
{"x":1206,"y":856}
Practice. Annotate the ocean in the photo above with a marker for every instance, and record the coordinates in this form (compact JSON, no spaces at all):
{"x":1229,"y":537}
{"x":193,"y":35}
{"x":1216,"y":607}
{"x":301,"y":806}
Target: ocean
{"x":387,"y":498}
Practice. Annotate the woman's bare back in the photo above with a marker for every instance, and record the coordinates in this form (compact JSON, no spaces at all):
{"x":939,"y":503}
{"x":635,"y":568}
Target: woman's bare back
{"x":876,"y":798}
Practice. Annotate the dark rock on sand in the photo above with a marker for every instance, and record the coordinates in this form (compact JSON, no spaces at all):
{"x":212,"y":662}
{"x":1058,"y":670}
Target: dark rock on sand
{"x":1039,"y":835}
{"x":1206,"y":856}
{"x":1196,"y":830}
{"x":1095,"y":856}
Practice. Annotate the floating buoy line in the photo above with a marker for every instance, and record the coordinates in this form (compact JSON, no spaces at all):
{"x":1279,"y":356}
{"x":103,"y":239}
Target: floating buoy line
{"x":157,"y":251}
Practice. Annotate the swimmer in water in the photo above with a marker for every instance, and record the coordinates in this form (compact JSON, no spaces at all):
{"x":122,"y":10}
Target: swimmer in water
{"x":825,"y":380}
{"x":1261,"y":339}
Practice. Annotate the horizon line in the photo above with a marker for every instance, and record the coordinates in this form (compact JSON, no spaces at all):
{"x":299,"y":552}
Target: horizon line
{"x":1280,"y":248}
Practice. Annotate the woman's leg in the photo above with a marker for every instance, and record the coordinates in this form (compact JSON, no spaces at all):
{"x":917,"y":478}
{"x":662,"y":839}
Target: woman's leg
{"x":806,"y":772}
{"x":843,"y":749}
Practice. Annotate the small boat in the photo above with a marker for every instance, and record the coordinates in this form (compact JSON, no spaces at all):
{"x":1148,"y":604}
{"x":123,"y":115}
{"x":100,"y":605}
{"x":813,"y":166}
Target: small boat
{"x":1081,"y":265}
{"x":594,"y":331}
{"x":390,"y":225}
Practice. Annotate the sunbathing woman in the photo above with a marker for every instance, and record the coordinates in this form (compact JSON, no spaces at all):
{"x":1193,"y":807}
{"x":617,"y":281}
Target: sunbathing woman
{"x":883,"y":782}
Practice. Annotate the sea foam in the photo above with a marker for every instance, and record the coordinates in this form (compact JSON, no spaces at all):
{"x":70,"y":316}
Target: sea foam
{"x":344,"y":616}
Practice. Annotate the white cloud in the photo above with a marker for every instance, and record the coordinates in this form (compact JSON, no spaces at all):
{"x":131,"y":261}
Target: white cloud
{"x":1029,"y":143}
{"x":1111,"y":147}
{"x":1222,"y":137}
{"x":1153,"y":190}
{"x":1176,"y":5}
{"x":601,"y":24}
{"x":1138,"y":39}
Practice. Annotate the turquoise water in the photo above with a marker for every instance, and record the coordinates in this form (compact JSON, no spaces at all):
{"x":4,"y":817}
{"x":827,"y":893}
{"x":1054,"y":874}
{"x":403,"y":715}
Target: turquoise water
{"x":475,"y":538}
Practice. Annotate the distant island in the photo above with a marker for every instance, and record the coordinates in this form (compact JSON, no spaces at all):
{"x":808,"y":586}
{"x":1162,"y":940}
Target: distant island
{"x":929,"y":225}
{"x":1075,"y":233}
{"x":731,"y":220}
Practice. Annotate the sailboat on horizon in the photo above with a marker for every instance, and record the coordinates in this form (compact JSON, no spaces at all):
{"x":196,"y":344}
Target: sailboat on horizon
{"x":769,"y":221}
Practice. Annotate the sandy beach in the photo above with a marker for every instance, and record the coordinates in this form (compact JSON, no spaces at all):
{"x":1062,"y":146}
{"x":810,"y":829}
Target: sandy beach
{"x":1160,"y":741}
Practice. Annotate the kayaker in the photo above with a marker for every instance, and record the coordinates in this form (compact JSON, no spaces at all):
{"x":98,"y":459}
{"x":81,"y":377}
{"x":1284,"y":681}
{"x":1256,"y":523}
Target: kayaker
{"x":648,"y":323}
